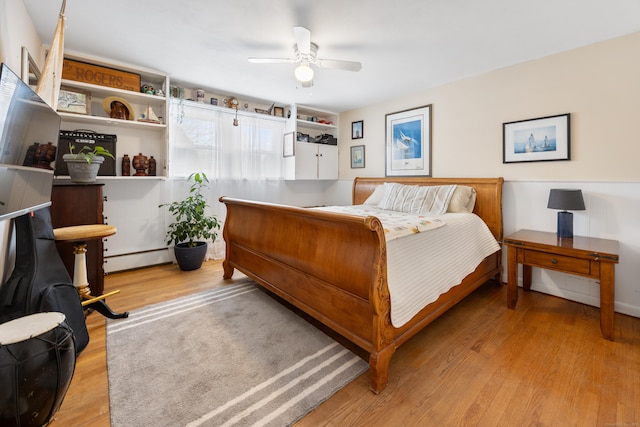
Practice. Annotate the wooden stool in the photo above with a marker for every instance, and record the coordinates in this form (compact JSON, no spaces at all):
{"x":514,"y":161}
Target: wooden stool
{"x":78,"y":235}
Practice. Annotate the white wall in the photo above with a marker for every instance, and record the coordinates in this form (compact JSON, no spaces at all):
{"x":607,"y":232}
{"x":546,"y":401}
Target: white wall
{"x":598,"y":85}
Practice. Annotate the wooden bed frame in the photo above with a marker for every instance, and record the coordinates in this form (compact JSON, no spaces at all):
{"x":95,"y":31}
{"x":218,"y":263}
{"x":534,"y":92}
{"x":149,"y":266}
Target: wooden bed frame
{"x":334,"y":266}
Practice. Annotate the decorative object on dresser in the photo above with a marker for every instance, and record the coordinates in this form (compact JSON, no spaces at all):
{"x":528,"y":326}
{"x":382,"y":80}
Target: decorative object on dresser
{"x":408,"y":142}
{"x":83,"y":166}
{"x":536,"y":140}
{"x":191,"y":224}
{"x":566,"y":200}
{"x":582,"y":256}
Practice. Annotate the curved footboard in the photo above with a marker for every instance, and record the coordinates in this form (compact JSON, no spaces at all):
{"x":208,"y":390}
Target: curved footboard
{"x":332,"y":266}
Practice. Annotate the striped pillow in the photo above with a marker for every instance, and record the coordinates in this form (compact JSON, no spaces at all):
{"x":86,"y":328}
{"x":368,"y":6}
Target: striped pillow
{"x":417,"y":199}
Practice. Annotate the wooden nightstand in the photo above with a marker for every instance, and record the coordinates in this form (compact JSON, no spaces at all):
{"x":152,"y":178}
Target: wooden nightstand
{"x":583,"y":256}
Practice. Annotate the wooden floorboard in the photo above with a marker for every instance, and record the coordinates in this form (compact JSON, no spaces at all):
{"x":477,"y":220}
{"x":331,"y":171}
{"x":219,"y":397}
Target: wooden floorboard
{"x":543,"y":364}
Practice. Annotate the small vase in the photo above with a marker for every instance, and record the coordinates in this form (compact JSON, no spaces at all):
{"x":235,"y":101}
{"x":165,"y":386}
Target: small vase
{"x":140,"y":164}
{"x":126,"y":165}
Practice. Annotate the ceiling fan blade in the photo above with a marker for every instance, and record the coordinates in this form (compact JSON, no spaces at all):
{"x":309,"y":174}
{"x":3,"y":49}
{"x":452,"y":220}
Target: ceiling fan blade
{"x":272,"y":60}
{"x":340,"y":65}
{"x":303,"y":39}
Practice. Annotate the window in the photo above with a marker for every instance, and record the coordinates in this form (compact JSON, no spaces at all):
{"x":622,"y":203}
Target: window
{"x":203,"y":138}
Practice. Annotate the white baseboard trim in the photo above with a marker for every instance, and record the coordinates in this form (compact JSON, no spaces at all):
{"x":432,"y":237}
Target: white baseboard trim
{"x":123,"y":262}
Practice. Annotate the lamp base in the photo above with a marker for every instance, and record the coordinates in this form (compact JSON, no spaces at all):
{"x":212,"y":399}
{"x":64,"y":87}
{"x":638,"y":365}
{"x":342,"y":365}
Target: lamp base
{"x":565,"y":224}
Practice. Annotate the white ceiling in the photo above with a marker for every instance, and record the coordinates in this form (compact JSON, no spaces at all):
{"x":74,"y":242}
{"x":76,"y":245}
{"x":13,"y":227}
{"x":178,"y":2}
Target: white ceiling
{"x":404,"y":46}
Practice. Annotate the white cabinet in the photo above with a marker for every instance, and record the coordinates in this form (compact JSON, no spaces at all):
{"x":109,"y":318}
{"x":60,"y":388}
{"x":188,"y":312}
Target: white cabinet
{"x":311,"y":160}
{"x":133,"y":136}
{"x":315,"y":161}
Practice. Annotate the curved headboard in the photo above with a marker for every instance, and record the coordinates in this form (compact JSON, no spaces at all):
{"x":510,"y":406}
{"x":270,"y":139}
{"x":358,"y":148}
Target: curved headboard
{"x":488,"y":194}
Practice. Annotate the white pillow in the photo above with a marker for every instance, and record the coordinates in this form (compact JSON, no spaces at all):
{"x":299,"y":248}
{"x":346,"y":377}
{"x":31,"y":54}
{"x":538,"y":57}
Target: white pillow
{"x":376,"y":197}
{"x":417,"y":199}
{"x":463,"y":199}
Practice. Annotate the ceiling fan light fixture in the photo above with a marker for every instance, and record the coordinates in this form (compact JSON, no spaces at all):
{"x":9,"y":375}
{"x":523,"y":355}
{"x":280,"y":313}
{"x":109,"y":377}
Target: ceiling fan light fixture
{"x":304,"y":73}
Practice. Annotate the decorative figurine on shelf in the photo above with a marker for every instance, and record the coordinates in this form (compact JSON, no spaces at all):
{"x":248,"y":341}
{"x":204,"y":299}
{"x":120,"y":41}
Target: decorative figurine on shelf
{"x":45,"y":154}
{"x":126,"y":165}
{"x":148,"y":89}
{"x":140,"y":164}
{"x":118,"y":108}
{"x":119,"y":111}
{"x":40,"y":155}
{"x":30,"y":157}
{"x":149,"y":116}
{"x":152,"y":166}
{"x":232,"y":103}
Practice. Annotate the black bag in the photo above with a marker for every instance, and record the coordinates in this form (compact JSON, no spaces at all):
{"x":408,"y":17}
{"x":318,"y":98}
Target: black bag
{"x":326,"y":138}
{"x":39,"y":281}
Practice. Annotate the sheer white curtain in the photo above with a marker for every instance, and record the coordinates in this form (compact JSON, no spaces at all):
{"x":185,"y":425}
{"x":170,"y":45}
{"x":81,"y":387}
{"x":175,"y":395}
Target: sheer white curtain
{"x":238,"y":160}
{"x":203,"y":138}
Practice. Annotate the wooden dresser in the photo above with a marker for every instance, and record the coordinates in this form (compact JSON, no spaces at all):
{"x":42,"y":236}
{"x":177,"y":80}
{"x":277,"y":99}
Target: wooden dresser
{"x":80,"y":204}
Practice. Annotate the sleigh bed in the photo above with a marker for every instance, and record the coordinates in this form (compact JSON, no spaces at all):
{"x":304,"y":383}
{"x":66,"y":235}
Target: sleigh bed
{"x":333,"y":266}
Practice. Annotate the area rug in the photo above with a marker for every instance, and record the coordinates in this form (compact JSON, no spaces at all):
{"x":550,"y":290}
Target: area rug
{"x":225,"y":357}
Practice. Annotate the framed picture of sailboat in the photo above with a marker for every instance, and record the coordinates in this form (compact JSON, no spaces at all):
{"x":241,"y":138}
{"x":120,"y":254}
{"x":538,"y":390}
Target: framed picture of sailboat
{"x":408,"y":142}
{"x":536,"y":140}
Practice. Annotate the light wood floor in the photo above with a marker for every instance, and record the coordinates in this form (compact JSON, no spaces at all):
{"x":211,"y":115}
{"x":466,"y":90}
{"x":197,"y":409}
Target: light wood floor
{"x":544,"y":364}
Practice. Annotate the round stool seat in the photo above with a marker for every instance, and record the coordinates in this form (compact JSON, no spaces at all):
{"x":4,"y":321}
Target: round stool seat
{"x":81,"y":233}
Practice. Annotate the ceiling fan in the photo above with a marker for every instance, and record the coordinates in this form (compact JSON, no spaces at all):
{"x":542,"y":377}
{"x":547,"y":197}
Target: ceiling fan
{"x":306,"y":54}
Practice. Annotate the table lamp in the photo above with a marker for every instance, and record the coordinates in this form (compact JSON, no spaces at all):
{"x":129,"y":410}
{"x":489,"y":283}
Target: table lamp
{"x":566,"y":200}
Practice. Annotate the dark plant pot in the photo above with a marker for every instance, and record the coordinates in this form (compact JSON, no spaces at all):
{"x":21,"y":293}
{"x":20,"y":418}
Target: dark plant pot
{"x":190,"y":258}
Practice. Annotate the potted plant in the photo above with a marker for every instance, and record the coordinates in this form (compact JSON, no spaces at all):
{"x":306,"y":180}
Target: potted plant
{"x":84,"y":165}
{"x":192,"y":225}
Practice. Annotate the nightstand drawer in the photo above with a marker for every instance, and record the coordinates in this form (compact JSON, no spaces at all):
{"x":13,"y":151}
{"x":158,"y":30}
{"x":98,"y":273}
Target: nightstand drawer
{"x":557,"y":262}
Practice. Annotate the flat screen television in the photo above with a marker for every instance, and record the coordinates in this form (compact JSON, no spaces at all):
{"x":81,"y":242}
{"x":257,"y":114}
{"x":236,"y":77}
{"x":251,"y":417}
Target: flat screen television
{"x":29,"y":130}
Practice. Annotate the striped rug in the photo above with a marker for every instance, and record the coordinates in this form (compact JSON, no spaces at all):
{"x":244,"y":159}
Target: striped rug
{"x":226,"y":357}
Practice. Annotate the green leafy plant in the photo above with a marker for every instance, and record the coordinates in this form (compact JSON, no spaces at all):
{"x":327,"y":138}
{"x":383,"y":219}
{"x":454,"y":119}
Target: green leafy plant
{"x":191,"y":222}
{"x":86,"y":153}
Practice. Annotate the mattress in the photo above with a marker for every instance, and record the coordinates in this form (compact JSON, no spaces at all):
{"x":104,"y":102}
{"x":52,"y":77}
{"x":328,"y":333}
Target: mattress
{"x":423,"y":265}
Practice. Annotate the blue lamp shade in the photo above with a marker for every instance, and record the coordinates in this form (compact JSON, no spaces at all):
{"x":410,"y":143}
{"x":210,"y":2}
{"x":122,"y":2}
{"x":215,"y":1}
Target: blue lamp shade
{"x":566,"y":200}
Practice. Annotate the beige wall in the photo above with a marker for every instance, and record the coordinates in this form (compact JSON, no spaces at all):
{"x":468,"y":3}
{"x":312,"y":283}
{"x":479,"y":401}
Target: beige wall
{"x":598,"y":84}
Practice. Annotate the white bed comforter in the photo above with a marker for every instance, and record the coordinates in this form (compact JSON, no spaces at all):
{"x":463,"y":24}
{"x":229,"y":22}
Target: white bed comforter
{"x":423,"y":265}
